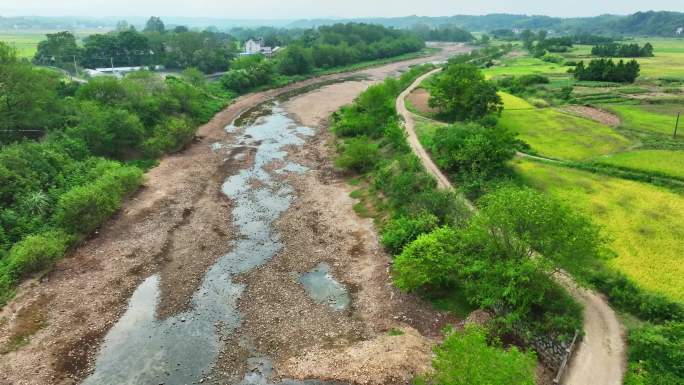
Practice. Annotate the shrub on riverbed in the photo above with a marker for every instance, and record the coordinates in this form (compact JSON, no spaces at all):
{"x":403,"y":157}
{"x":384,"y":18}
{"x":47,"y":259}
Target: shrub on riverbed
{"x":402,"y":230}
{"x":35,"y":253}
{"x":471,"y":357}
{"x":83,"y":208}
{"x":358,"y":154}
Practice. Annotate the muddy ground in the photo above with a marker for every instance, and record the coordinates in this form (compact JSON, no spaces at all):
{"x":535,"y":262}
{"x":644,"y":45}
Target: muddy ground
{"x":419,"y":99}
{"x":177,"y":226}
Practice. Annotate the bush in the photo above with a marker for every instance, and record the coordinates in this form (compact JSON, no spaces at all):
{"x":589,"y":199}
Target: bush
{"x":403,"y":230}
{"x":553,"y":58}
{"x":358,"y":154}
{"x":627,"y":296}
{"x":532,"y":79}
{"x":430,"y":262}
{"x":469,"y":152}
{"x":465,"y":358}
{"x":82,"y":209}
{"x":35,"y":253}
{"x":169,"y":136}
{"x":656,"y":355}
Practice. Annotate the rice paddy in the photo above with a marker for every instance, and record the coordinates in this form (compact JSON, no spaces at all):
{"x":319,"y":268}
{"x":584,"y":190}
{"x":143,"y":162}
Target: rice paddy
{"x":644,"y":221}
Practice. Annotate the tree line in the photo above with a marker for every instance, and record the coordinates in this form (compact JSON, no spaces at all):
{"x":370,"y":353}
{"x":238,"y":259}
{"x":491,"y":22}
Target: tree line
{"x":608,"y":71}
{"x":179,"y":48}
{"x":622,"y":50}
{"x":442,"y":33}
{"x":320,"y":49}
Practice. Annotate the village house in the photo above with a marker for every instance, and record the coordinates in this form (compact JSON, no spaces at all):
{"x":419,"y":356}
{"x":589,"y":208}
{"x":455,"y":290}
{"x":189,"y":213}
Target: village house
{"x":253,"y":47}
{"x":679,"y":31}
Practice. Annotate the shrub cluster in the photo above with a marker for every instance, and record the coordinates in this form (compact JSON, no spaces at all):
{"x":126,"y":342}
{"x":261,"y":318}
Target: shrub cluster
{"x":488,"y":259}
{"x":61,"y":188}
{"x":656,"y":355}
{"x":454,"y":364}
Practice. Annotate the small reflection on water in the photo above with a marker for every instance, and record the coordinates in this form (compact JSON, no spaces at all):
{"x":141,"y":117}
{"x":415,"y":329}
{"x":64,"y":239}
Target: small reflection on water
{"x":323,"y":288}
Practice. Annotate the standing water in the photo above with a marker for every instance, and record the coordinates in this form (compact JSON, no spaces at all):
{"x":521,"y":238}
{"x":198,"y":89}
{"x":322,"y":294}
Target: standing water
{"x":141,"y":349}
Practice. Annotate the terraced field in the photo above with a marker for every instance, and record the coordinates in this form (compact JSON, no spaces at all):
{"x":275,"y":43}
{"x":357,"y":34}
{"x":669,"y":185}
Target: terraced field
{"x":644,"y":221}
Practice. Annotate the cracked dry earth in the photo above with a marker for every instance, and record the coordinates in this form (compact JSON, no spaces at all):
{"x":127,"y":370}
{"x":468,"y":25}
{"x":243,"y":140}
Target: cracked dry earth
{"x":168,"y":290}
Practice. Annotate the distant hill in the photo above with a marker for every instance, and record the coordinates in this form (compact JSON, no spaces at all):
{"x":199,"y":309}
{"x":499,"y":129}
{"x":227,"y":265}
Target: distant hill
{"x":72,"y":23}
{"x":641,"y":23}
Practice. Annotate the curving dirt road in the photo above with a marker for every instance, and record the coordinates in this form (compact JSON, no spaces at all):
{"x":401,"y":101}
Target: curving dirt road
{"x":600,"y":357}
{"x":178,"y":227}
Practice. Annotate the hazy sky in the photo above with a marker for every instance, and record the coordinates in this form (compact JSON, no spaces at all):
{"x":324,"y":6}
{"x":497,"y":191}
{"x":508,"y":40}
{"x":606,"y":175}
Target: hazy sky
{"x":294,"y":9}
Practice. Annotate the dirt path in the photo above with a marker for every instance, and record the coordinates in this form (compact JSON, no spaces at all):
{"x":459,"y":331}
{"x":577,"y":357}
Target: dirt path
{"x":593,"y":113}
{"x":179,"y":225}
{"x":600,"y":357}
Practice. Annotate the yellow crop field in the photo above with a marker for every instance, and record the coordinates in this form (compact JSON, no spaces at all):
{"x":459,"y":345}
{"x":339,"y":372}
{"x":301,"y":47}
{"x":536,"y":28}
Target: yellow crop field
{"x":644,"y":221}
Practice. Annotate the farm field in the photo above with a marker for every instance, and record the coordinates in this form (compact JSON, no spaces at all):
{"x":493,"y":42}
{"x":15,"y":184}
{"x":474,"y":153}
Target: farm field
{"x":559,"y":135}
{"x":26,"y":42}
{"x":644,"y":221}
{"x":523,"y":66}
{"x":669,"y":54}
{"x":665,"y":162}
{"x":657,"y":118}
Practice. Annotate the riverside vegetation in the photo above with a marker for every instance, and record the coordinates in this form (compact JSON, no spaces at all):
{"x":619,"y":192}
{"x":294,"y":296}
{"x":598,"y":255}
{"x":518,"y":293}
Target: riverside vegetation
{"x":441,"y":249}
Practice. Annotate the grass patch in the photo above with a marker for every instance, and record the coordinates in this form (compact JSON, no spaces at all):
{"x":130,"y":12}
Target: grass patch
{"x":644,"y":221}
{"x":658,"y":118}
{"x":453,"y":302}
{"x":559,"y":135}
{"x":663,"y":162}
{"x":524,"y":65}
{"x":395,"y":332}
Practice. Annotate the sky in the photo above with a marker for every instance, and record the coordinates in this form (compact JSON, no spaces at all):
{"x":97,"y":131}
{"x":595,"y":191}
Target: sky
{"x":298,"y":9}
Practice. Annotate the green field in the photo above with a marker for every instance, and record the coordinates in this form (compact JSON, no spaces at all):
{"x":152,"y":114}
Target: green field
{"x":658,"y":118}
{"x":524,"y":65}
{"x":665,"y":162}
{"x":555,"y":134}
{"x":644,"y":221}
{"x":25,"y":44}
{"x":26,"y":41}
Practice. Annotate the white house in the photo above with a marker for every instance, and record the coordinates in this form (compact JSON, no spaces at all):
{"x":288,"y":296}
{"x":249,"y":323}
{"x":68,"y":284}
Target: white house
{"x":253,"y":47}
{"x":679,"y":31}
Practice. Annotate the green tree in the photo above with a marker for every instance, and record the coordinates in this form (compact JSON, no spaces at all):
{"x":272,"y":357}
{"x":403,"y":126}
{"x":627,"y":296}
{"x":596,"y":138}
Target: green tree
{"x":59,"y":49}
{"x":195,"y":77}
{"x":472,"y":150}
{"x":521,"y":221}
{"x":460,"y":92}
{"x":296,"y":60}
{"x":527,"y":37}
{"x":465,"y":358}
{"x":28,"y":100}
{"x":154,"y":24}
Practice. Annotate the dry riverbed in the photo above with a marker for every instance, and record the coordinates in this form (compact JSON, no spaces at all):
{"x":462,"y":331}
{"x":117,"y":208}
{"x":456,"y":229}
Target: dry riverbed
{"x":178,"y":228}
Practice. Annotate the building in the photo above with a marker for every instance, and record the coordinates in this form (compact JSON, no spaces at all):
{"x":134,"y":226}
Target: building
{"x":254,"y":47}
{"x":679,"y":31}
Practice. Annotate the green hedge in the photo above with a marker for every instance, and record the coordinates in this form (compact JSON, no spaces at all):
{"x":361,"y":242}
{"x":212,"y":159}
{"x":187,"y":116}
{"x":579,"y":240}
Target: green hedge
{"x":82,"y":209}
